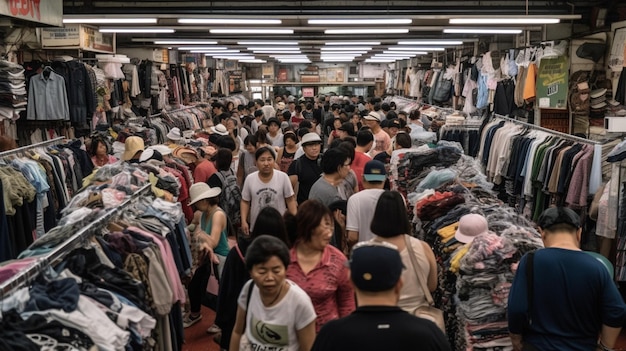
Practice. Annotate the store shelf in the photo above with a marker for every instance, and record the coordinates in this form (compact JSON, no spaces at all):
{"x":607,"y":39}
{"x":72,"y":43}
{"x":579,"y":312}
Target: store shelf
{"x":317,"y":84}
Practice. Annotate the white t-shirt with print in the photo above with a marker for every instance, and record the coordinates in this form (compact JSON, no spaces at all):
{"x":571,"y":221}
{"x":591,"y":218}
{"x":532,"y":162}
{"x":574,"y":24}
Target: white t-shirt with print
{"x":274,"y":328}
{"x":261,"y":195}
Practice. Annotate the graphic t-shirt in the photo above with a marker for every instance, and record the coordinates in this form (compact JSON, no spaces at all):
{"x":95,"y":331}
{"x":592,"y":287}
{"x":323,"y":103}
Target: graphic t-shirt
{"x":274,"y":328}
{"x":261,"y":195}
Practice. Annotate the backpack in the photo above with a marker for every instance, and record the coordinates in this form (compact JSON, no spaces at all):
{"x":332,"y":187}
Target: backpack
{"x":230,"y":201}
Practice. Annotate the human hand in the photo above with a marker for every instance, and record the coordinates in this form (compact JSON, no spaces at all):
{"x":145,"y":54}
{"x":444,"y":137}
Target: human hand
{"x":340,"y":218}
{"x":207,"y":253}
{"x":245,"y":228}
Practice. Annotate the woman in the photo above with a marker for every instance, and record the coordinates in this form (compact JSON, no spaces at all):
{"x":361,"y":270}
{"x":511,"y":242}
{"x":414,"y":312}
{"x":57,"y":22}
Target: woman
{"x":247,"y":161}
{"x":350,"y":185}
{"x":235,"y":275}
{"x":273,"y":312}
{"x":391,"y":224}
{"x":335,"y":132}
{"x":317,"y":267}
{"x":99,"y":152}
{"x":286,"y":154}
{"x":211,"y":232}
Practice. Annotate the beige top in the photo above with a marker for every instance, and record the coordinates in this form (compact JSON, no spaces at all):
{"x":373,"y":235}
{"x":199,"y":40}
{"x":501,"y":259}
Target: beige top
{"x":412,"y":296}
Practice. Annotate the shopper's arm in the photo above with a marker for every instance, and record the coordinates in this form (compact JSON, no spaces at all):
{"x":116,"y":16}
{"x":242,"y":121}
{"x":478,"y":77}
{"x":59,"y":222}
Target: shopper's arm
{"x":244,"y":209}
{"x":294,"y":182}
{"x":608,"y":336}
{"x":306,"y":337}
{"x":292,"y":204}
{"x":516,"y":340}
{"x":238,"y":330}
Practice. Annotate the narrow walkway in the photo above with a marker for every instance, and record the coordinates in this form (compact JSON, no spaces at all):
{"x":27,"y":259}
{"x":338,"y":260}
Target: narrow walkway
{"x":196,"y":338}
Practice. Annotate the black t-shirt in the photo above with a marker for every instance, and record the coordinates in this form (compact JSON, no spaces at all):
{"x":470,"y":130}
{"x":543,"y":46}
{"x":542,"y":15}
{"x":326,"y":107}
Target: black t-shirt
{"x":378,"y":328}
{"x":308,"y":172}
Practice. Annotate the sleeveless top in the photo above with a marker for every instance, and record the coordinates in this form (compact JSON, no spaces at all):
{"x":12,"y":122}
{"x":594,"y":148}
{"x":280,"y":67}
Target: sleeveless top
{"x":222,"y":247}
{"x":412,"y":296}
{"x":286,"y":160}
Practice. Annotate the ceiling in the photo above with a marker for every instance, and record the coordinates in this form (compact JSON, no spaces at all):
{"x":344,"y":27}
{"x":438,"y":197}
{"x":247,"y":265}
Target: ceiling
{"x":427,"y":19}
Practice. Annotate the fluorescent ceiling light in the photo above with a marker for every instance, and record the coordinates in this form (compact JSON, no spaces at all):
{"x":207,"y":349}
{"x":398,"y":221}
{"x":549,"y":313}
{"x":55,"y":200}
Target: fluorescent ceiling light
{"x":367,"y":31}
{"x":379,"y":61}
{"x":505,"y":20}
{"x":393,"y":55}
{"x":334,"y":48}
{"x":234,"y":57}
{"x":278,"y":48}
{"x":276,"y":52}
{"x":405,"y":52}
{"x":184,"y":42}
{"x":202,"y":48}
{"x":228,"y":21}
{"x":431,"y":42}
{"x":348,"y":43}
{"x":336,"y":60}
{"x":289,"y":56}
{"x":347,"y":52}
{"x":364,"y":21}
{"x":253,"y":61}
{"x":338,"y":57}
{"x":111,"y":20}
{"x":136,"y":30}
{"x":421,"y":48}
{"x":295,"y":61}
{"x":251,"y":31}
{"x":481,"y":31}
{"x":267,"y":43}
{"x":217,"y":52}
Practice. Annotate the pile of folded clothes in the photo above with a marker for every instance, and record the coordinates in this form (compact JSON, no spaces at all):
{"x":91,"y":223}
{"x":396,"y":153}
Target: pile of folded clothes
{"x":13,"y":98}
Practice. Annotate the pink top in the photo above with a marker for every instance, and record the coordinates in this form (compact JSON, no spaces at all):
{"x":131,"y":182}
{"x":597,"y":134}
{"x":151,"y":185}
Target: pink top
{"x":203,"y":171}
{"x":168,"y":263}
{"x":328,"y":285}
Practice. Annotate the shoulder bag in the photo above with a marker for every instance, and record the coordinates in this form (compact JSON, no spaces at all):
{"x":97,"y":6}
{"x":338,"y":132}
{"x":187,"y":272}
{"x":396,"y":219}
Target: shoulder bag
{"x":429,"y":312}
{"x":244,"y":343}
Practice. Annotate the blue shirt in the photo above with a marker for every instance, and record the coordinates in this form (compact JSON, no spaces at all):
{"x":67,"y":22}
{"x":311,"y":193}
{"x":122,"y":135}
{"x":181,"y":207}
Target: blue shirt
{"x":573,"y":296}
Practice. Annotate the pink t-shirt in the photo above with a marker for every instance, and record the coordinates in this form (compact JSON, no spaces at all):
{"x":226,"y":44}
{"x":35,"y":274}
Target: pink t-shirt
{"x":328,"y":285}
{"x":204,"y":171}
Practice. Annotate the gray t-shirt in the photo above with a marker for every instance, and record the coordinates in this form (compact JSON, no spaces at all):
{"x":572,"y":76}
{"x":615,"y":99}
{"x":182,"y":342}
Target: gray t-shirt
{"x":261,"y":195}
{"x":324,"y":192}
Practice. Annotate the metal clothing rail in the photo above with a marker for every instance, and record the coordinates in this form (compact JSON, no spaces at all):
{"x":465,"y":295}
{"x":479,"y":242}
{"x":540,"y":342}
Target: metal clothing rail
{"x":27,"y":275}
{"x":32,"y":146}
{"x":549,"y":131}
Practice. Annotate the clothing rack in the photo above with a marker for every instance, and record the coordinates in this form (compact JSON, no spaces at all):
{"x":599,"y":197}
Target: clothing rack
{"x":27,"y":275}
{"x":549,"y":131}
{"x":22,"y":149}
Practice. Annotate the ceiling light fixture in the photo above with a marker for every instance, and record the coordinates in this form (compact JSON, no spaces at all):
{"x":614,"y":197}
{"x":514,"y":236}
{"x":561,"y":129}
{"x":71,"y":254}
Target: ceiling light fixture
{"x":421,"y":48}
{"x":348,"y":43}
{"x":276,"y":52}
{"x":228,"y":57}
{"x":110,"y":20}
{"x":345,"y":52}
{"x":379,"y":61}
{"x":431,"y":42}
{"x":505,"y":20}
{"x":184,"y":42}
{"x":218,"y":52}
{"x":136,"y":30}
{"x":363,"y":21}
{"x":253,"y":61}
{"x":276,"y":48}
{"x":481,"y":31}
{"x":251,"y":31}
{"x":228,"y":21}
{"x":295,"y":61}
{"x":267,"y":43}
{"x":203,"y":48}
{"x":334,"y":48}
{"x":405,"y":52}
{"x":368,"y":31}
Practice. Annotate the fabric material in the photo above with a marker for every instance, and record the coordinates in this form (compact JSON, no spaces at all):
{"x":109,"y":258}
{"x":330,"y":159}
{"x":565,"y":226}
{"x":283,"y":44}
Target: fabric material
{"x":361,"y":208}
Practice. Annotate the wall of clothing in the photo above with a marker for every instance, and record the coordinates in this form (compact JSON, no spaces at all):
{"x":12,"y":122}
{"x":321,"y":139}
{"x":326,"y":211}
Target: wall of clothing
{"x":119,"y":254}
{"x":37,"y":183}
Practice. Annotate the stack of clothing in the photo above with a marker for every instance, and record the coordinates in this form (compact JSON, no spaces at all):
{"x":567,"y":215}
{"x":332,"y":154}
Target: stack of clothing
{"x":13,"y":98}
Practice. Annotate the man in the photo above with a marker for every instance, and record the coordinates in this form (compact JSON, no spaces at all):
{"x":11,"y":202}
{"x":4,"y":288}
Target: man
{"x":218,"y":109}
{"x":306,"y":170}
{"x":257,"y":121}
{"x":382,"y":139}
{"x":268,"y":110}
{"x":335,"y":168}
{"x":361,"y":206}
{"x":265,"y":187}
{"x":364,"y":142}
{"x":573,"y":302}
{"x":378,"y":323}
{"x":204,"y":168}
{"x":274,"y":133}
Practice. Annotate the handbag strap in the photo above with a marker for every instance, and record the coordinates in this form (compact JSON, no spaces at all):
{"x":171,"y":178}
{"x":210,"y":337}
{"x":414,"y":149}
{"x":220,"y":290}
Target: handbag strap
{"x":409,"y":248}
{"x":530,"y":284}
{"x":243,"y":259}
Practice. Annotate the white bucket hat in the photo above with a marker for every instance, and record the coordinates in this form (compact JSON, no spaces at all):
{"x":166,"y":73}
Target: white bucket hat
{"x":174,"y":134}
{"x":219,"y":129}
{"x":201,"y":191}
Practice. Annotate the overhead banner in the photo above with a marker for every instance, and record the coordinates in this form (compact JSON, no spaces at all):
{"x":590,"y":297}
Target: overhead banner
{"x":552,"y":82}
{"x":48,"y":12}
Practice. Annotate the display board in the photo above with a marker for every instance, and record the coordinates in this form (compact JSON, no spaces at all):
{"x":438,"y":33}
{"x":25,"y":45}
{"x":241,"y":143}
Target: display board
{"x":552,"y":82}
{"x":618,"y":50}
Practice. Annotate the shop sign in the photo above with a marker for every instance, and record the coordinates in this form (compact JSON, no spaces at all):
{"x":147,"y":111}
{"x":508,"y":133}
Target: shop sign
{"x":308,"y":92}
{"x":39,"y":11}
{"x":552,"y":82}
{"x":268,"y":70}
{"x":76,"y":36}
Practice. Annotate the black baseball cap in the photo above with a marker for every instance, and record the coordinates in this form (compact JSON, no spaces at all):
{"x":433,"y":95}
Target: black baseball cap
{"x":375,"y":266}
{"x":558,"y":215}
